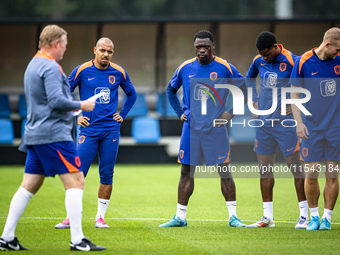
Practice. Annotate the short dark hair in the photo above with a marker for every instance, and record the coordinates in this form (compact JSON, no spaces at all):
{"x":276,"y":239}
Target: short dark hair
{"x":265,"y":40}
{"x":204,"y":34}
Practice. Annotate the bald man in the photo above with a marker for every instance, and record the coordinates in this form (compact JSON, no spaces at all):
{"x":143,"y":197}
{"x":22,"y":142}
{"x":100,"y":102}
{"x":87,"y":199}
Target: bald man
{"x":100,"y":129}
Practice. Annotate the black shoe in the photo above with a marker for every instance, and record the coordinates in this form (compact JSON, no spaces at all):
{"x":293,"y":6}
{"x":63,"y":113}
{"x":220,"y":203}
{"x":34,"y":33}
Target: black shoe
{"x":13,"y":245}
{"x":86,"y":245}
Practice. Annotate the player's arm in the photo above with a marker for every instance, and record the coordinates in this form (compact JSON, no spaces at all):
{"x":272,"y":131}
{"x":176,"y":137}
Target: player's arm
{"x":301,"y":129}
{"x":53,"y":82}
{"x":251,"y":75}
{"x":229,"y":114}
{"x":171,"y":94}
{"x":131,"y":97}
{"x":238,"y":80}
{"x":73,"y":80}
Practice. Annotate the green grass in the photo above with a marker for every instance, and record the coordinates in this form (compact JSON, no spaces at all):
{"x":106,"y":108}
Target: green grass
{"x":145,"y":196}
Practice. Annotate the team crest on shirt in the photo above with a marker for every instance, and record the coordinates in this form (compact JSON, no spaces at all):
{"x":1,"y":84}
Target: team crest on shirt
{"x":112,"y":79}
{"x":213,"y":76}
{"x":283,"y":67}
{"x":328,"y":88}
{"x":270,"y":79}
{"x":337,"y":70}
{"x":105,"y":98}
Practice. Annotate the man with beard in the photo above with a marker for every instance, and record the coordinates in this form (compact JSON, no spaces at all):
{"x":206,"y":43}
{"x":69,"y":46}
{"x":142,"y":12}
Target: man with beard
{"x":100,"y":129}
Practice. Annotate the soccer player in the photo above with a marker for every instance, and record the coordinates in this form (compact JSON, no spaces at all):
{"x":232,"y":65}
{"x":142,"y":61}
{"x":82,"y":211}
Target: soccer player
{"x":274,"y":64}
{"x":48,"y":141}
{"x":318,"y":71}
{"x":200,"y":141}
{"x":100,"y":129}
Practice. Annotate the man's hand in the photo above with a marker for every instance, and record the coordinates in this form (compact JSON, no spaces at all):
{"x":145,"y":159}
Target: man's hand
{"x":87,"y":105}
{"x":226,"y":116}
{"x":83,"y":121}
{"x":288,"y":110}
{"x":184,"y":117}
{"x":256,"y":106}
{"x":118,"y":118}
{"x":302,"y":131}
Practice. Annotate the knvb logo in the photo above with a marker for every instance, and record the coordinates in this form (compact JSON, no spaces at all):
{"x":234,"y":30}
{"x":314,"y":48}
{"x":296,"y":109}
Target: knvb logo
{"x":328,"y":88}
{"x":105,"y":98}
{"x":202,"y":91}
{"x":238,"y":99}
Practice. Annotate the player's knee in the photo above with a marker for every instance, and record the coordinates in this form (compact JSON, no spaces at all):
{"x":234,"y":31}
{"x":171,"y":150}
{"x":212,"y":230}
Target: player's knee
{"x":311,"y":181}
{"x":332,"y":181}
{"x":73,"y":180}
{"x":186,"y":169}
{"x":298,"y":172}
{"x":81,"y":181}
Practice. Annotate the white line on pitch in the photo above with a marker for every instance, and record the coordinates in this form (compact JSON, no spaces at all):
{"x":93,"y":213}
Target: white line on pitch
{"x":147,"y":219}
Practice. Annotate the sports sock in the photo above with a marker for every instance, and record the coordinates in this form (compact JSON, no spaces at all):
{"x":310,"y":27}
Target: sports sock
{"x":181,"y":211}
{"x":16,"y":208}
{"x":102,"y":207}
{"x":231,"y":208}
{"x":327,"y":214}
{"x":268,"y":210}
{"x":74,"y":208}
{"x":303,"y":205}
{"x":314,"y":212}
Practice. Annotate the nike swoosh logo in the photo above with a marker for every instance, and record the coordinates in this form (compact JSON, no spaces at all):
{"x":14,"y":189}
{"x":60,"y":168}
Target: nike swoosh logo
{"x":104,"y":203}
{"x":87,"y":248}
{"x":16,"y":248}
{"x":315,"y":73}
{"x":221,"y":157}
{"x":90,"y":79}
{"x":263,"y":64}
{"x":115,"y":139}
{"x":192,"y":75}
{"x":290,"y":149}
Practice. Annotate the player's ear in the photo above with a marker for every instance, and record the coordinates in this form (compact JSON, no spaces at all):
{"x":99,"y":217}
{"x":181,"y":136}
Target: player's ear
{"x":213,"y":46}
{"x":55,"y":43}
{"x":94,"y":50}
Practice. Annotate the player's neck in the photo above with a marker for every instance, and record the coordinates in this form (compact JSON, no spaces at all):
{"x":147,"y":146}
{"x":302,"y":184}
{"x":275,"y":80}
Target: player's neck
{"x":320,"y":53}
{"x":99,"y":66}
{"x":208,"y":61}
{"x":49,"y":51}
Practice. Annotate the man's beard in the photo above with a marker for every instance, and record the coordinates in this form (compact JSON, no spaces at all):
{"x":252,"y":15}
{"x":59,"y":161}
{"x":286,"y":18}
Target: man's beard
{"x":104,"y":64}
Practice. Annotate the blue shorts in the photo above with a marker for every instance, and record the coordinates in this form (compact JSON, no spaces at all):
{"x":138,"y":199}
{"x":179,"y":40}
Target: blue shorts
{"x":321,"y":145}
{"x":269,"y":138}
{"x":106,"y":144}
{"x":51,"y":159}
{"x":197,"y":148}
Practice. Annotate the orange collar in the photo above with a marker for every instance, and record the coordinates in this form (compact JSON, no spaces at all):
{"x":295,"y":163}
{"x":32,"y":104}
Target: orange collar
{"x":43,"y":54}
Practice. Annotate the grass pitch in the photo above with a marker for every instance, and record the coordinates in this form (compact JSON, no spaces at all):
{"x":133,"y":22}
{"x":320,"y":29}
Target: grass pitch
{"x":145,"y":196}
